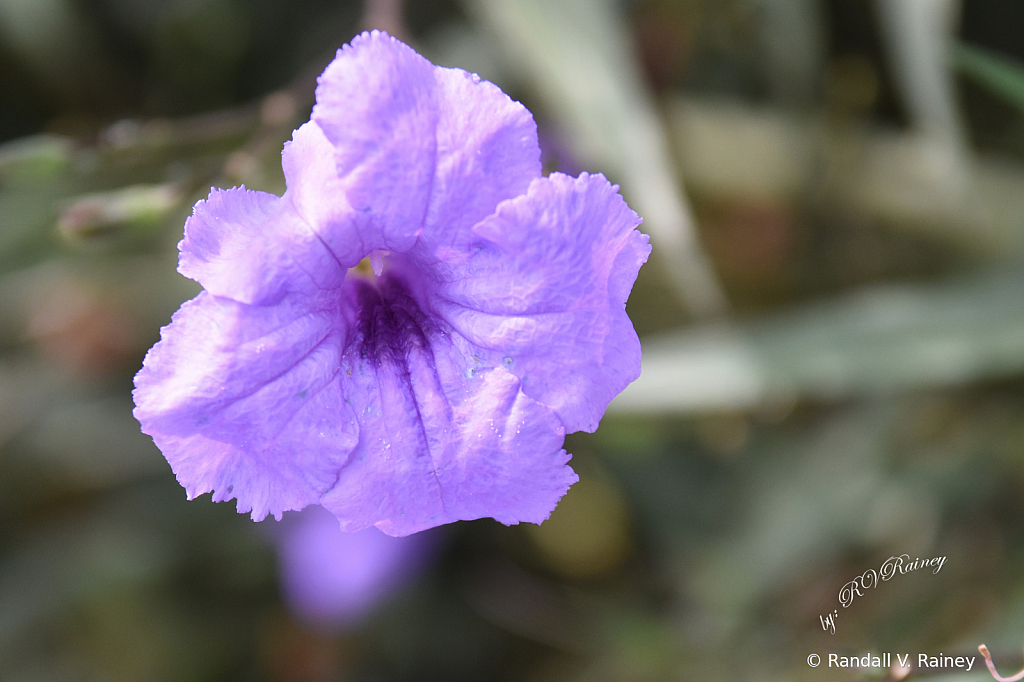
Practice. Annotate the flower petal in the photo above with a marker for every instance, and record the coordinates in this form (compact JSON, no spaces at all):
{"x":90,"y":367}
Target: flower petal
{"x":245,"y":401}
{"x":487,"y":152}
{"x":376,"y":104}
{"x":439,"y":441}
{"x":423,"y":153}
{"x":507,"y":461}
{"x":219,"y":241}
{"x":544,"y":294}
{"x":252,"y":247}
{"x":318,"y":196}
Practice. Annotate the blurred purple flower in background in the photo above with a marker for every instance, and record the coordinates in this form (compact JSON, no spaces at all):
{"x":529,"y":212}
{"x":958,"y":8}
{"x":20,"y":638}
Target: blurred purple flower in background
{"x":407,"y":335}
{"x":332,"y":579}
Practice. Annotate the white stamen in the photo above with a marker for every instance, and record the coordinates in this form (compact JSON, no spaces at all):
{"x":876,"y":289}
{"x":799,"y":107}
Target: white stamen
{"x":377,"y":262}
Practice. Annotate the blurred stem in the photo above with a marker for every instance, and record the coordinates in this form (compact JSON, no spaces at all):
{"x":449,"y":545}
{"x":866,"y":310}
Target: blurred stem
{"x":919,"y":35}
{"x":138,"y":207}
{"x":791,"y":37}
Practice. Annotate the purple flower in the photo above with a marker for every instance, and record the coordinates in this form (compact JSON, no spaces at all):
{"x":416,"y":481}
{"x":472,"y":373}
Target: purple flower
{"x":440,"y":385}
{"x":331,"y":579}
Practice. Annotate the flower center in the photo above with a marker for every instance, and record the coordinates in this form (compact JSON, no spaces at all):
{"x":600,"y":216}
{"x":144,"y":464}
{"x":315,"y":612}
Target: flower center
{"x":370,"y":267}
{"x":391,"y":322}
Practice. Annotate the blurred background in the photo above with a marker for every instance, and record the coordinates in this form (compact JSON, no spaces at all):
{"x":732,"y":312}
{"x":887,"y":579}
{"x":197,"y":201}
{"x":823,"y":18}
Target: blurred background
{"x":833,"y":324}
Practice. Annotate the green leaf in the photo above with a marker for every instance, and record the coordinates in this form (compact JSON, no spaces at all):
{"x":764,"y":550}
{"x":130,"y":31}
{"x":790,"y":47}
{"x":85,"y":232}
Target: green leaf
{"x":1000,"y":75}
